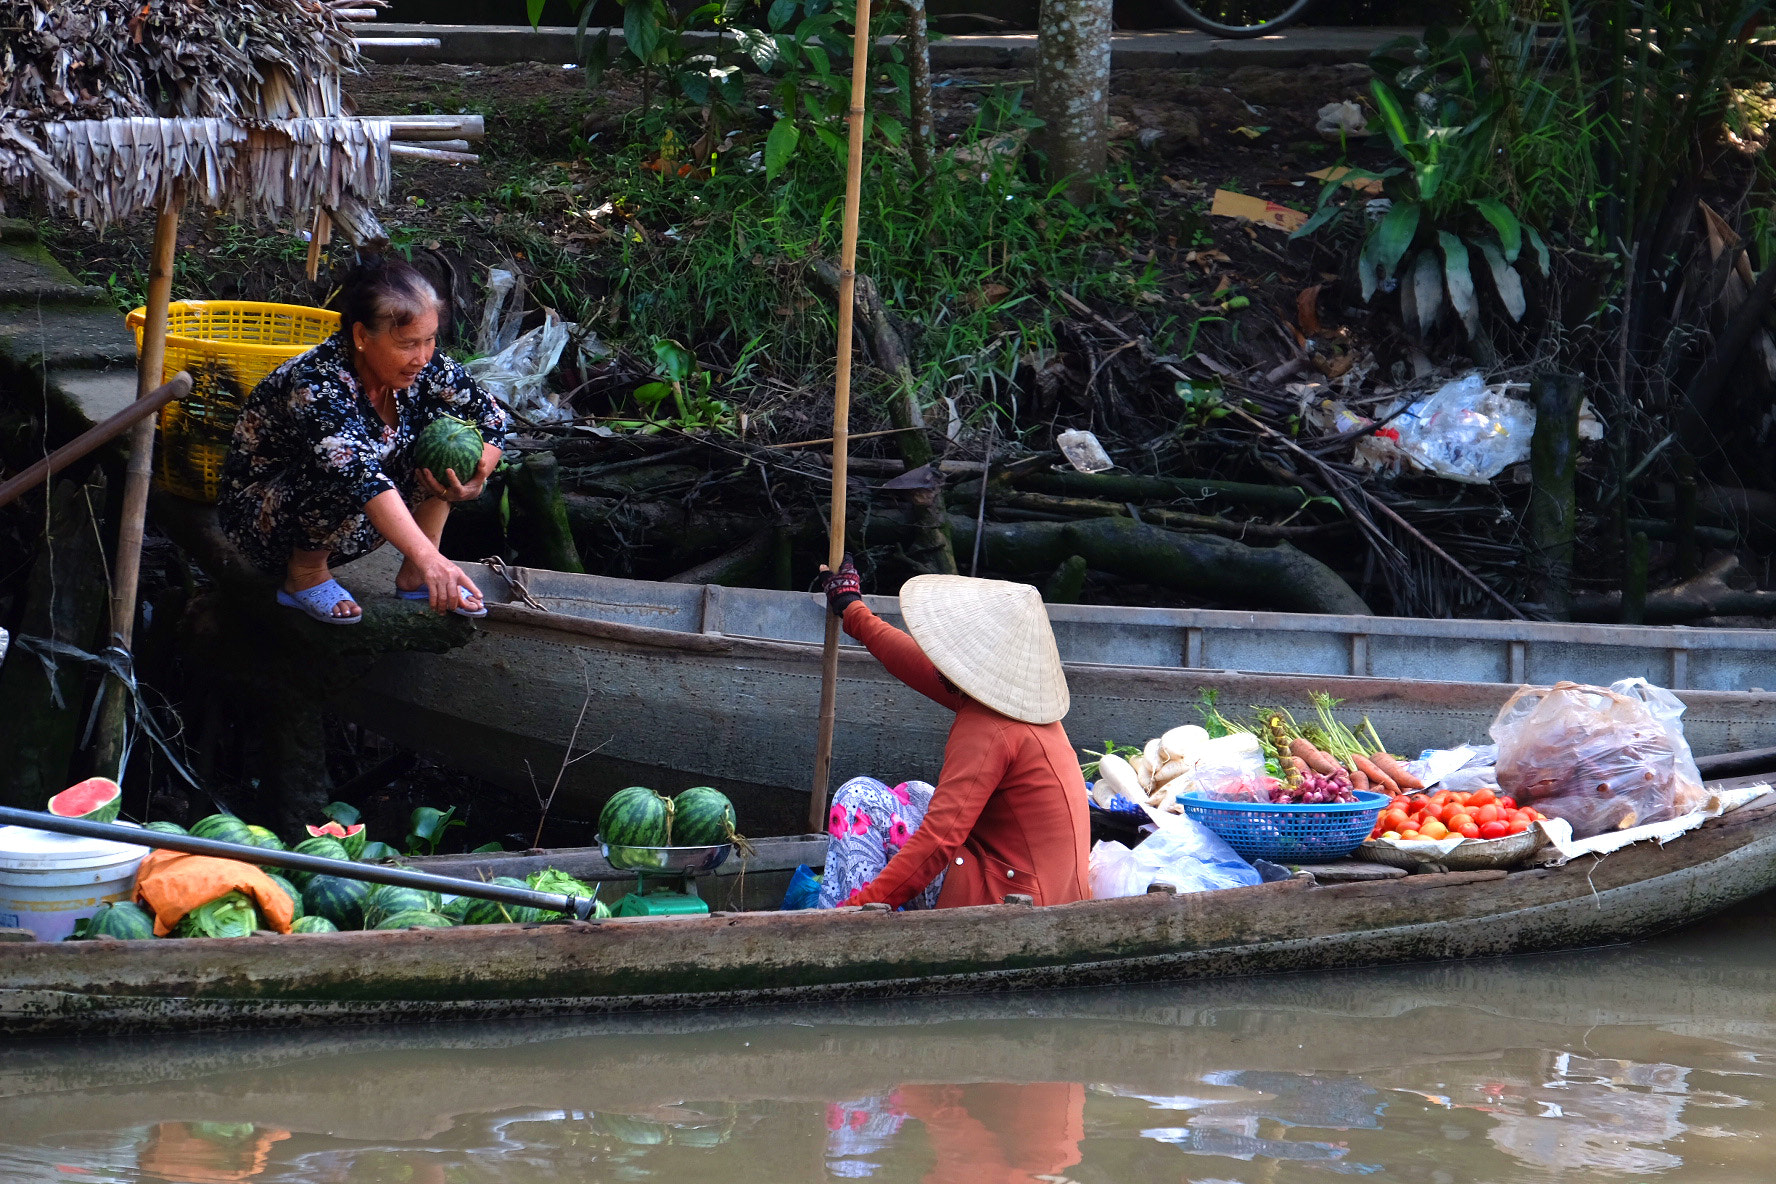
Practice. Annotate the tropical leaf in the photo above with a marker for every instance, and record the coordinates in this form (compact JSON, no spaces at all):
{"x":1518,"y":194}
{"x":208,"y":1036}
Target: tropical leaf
{"x":673,"y":361}
{"x":780,"y":13}
{"x":1367,"y":266}
{"x":1394,"y":235}
{"x":780,"y":145}
{"x":641,"y":29}
{"x":1510,"y":230}
{"x":1505,"y":281}
{"x":1541,"y":249}
{"x":1427,"y":289}
{"x":1393,"y":118}
{"x":534,"y":10}
{"x":1320,"y":217}
{"x":758,"y":46}
{"x":1459,"y":281}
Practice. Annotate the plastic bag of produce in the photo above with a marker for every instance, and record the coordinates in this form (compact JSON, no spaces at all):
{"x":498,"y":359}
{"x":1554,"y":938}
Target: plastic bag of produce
{"x":1182,"y":853}
{"x":1602,"y":759}
{"x":1220,"y":765}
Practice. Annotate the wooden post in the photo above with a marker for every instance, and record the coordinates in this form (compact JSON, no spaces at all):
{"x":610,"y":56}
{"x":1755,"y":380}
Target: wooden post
{"x":109,"y":745}
{"x":835,"y":551}
{"x":1554,"y":465}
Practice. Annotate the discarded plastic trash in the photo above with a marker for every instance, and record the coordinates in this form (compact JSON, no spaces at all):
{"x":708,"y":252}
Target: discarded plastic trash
{"x":1341,"y":120}
{"x":1083,"y":452}
{"x":518,"y":375}
{"x":1467,"y":431}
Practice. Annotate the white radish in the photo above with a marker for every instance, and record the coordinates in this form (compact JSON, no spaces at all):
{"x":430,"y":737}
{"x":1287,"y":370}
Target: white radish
{"x":1101,"y":792}
{"x":1181,"y":741}
{"x":1151,"y":752}
{"x":1143,"y":771}
{"x":1171,"y":769}
{"x":1121,"y":777}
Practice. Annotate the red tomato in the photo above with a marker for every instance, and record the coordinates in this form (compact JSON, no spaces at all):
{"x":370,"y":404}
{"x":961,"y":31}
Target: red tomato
{"x":1460,"y":822}
{"x":1470,"y":831}
{"x":1481,"y":797}
{"x":1394,"y":820}
{"x":1461,"y":797}
{"x":1441,"y":797}
{"x":1487,"y":813}
{"x":1517,"y":827}
{"x":1509,"y":803}
{"x":1494,"y":829}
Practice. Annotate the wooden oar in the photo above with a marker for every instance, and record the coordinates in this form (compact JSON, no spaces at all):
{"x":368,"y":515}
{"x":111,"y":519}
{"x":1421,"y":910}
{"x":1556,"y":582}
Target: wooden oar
{"x":841,"y":452}
{"x":401,"y":877}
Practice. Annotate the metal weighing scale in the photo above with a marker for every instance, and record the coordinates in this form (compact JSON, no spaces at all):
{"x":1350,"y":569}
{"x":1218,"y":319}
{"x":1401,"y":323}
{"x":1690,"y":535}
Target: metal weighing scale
{"x":665,"y":878}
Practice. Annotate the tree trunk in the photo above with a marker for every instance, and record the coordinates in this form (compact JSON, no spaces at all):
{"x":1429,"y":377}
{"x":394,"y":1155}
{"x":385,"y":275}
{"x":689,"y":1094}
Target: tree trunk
{"x":539,"y":518}
{"x":1073,"y":89}
{"x":918,"y":49}
{"x":1553,"y":506}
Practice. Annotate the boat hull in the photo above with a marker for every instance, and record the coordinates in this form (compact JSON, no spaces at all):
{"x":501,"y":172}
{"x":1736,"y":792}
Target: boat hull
{"x":743,"y":958}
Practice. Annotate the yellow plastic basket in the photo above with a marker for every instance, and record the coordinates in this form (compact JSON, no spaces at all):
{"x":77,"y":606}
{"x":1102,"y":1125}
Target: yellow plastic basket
{"x":227,"y":346}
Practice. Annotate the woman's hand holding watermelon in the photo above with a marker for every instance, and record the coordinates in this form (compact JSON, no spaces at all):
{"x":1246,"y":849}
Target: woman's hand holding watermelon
{"x":461,"y":491}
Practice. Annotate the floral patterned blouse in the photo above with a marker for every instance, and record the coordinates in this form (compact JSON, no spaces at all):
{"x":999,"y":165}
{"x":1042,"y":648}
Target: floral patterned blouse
{"x":309,"y":452}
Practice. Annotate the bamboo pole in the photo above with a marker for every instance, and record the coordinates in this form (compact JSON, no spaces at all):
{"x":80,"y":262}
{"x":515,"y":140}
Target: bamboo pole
{"x":835,"y":551}
{"x":128,"y":564}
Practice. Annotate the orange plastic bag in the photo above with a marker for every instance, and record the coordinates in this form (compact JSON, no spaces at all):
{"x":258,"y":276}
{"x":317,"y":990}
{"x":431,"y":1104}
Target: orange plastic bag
{"x":172,"y":883}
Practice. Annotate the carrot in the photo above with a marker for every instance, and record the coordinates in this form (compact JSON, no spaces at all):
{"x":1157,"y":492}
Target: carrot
{"x":1378,"y":780}
{"x":1359,"y":779}
{"x":1396,"y":770}
{"x":1299,"y":765}
{"x":1316,"y":760}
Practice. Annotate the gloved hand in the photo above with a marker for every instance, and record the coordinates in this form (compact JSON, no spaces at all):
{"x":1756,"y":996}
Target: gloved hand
{"x":843,"y":588}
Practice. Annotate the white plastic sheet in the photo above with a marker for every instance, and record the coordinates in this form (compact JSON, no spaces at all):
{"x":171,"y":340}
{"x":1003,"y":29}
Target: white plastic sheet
{"x":1180,"y":852}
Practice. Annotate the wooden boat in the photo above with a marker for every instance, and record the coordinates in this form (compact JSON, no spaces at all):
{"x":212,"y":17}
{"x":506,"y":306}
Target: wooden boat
{"x":686,"y":684}
{"x":732,"y":958}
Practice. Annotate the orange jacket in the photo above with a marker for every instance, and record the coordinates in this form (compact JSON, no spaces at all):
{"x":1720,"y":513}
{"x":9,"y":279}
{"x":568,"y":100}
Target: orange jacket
{"x":1009,"y":814}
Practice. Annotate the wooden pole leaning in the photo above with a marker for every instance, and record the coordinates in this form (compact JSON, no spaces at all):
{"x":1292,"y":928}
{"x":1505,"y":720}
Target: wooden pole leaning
{"x":835,"y":552}
{"x":109,"y":742}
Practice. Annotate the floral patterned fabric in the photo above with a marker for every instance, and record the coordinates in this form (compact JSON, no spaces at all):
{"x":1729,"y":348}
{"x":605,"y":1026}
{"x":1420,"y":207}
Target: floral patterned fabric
{"x":309,"y":452}
{"x":868,"y":824}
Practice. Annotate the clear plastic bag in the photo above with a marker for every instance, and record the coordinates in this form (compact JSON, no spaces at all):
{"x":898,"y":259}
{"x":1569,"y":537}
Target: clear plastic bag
{"x":1180,"y":852}
{"x":518,"y":375}
{"x":1220,"y":765}
{"x":1602,"y":759}
{"x":1467,"y":431}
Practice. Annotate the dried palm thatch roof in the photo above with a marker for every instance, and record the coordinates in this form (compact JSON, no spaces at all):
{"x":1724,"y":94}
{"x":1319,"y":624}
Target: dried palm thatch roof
{"x":219,"y":59}
{"x":105,"y":104}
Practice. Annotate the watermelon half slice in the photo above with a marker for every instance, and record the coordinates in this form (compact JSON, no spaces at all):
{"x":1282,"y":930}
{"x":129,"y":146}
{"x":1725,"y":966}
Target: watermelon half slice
{"x":97,"y":799}
{"x":352,"y":837}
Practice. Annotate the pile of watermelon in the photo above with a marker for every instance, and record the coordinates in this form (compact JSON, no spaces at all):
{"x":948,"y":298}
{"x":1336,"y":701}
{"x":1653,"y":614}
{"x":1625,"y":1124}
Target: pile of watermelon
{"x":639,"y":817}
{"x":320,"y":903}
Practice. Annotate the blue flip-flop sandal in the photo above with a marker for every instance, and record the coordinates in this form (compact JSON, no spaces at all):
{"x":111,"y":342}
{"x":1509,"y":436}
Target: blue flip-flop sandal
{"x":459,"y":610}
{"x":318,"y":602}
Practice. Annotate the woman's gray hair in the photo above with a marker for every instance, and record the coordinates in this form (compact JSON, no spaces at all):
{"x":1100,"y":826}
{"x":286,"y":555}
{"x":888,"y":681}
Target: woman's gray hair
{"x":383,"y":294}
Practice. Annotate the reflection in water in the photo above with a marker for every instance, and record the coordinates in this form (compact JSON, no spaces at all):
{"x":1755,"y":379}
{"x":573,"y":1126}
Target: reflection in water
{"x":1653,"y":1062}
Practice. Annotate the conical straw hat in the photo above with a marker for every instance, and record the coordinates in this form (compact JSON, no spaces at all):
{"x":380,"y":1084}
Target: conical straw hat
{"x":992,"y":639}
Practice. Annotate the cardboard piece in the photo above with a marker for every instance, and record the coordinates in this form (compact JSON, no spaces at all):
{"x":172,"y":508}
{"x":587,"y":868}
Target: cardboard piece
{"x":1369,"y":185}
{"x":1229,"y":204}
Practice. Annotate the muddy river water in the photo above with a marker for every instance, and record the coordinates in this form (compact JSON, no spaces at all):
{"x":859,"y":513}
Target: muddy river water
{"x":1640,"y":1063}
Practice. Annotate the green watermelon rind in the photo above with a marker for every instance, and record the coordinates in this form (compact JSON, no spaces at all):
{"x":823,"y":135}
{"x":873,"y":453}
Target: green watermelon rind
{"x":636,"y":817}
{"x":325,"y":847}
{"x":336,"y":898}
{"x":390,"y":899}
{"x":165,"y":828}
{"x":421,"y":917}
{"x":492,"y":912}
{"x":313,"y":924}
{"x":444,"y":446}
{"x":223,"y":828}
{"x":121,"y":920}
{"x":702,"y":817}
{"x":264,"y":838}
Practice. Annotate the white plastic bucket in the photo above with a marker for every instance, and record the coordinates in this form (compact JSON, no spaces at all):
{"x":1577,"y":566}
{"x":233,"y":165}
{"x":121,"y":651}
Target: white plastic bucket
{"x":50,"y":881}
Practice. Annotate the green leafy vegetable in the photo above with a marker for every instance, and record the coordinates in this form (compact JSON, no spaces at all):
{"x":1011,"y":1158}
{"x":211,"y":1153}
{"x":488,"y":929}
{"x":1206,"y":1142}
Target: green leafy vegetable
{"x":230,"y":915}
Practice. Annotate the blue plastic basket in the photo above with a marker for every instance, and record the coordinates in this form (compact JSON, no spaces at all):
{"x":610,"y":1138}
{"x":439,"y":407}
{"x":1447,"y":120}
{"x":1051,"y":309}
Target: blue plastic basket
{"x":1285,"y":832}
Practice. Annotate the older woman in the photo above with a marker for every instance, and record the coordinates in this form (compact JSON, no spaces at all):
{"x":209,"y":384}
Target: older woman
{"x":1008,"y":813}
{"x":320,"y":470}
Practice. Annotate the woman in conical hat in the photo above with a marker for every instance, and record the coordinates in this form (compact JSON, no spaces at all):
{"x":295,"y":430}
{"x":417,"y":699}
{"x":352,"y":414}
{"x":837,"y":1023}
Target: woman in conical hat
{"x":1008,"y":813}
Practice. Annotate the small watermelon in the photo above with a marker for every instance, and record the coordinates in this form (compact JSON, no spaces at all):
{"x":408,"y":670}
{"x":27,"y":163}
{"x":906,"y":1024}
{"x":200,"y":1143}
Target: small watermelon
{"x":326,"y":847}
{"x":166,"y":828}
{"x":702,"y":817}
{"x":336,"y":898}
{"x":124,"y":920}
{"x":455,"y":907}
{"x":265,"y":839}
{"x":313,"y":925}
{"x":390,"y":899}
{"x":224,"y":828}
{"x":352,"y":838}
{"x":636,"y":817}
{"x":289,"y":890}
{"x":449,"y":444}
{"x":97,"y":799}
{"x":424,"y":918}
{"x":492,"y":912}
